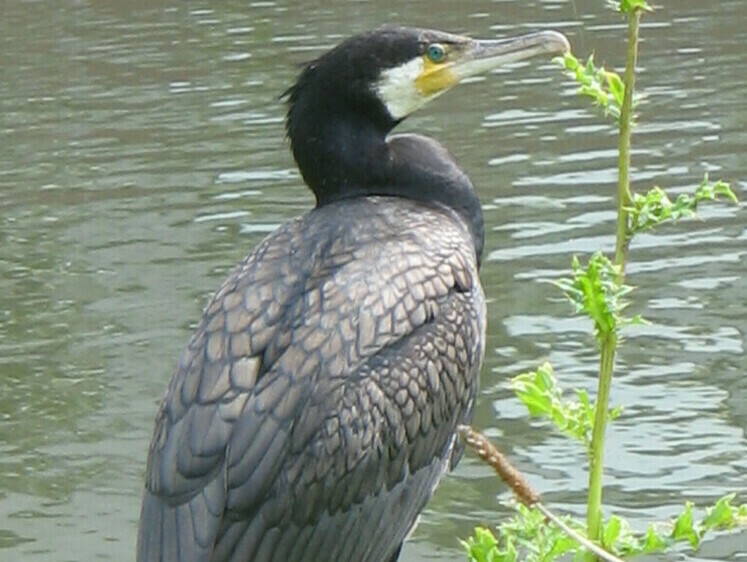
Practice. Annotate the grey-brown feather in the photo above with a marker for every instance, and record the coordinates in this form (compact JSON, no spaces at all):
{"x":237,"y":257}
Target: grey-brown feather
{"x":314,"y":410}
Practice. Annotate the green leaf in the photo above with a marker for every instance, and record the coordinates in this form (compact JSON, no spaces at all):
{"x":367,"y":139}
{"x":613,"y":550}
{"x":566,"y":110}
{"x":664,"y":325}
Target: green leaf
{"x":627,"y":6}
{"x":684,"y":528}
{"x":533,"y":391}
{"x":595,"y":291}
{"x":482,"y":547}
{"x":605,"y":87}
{"x":611,"y":531}
{"x":528,"y":537}
{"x":542,"y":395}
{"x":595,"y":83}
{"x":561,"y":545}
{"x":615,"y":412}
{"x":721,"y":515}
{"x":653,"y":208}
{"x":653,"y":541}
{"x":616,"y":86}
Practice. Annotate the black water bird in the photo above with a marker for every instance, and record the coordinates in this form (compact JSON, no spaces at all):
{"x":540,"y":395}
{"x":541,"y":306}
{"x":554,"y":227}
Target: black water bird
{"x":314,"y":410}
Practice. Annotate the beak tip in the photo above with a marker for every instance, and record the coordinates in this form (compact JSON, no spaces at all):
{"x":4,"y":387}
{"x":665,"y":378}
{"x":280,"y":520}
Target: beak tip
{"x":556,"y":42}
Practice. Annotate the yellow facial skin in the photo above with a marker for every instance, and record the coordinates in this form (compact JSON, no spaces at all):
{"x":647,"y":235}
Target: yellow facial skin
{"x":445,"y":60}
{"x":436,"y":77}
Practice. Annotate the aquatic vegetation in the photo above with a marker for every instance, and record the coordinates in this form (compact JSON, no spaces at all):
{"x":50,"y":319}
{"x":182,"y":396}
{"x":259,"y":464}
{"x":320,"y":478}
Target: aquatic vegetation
{"x":528,"y":537}
{"x":597,"y":289}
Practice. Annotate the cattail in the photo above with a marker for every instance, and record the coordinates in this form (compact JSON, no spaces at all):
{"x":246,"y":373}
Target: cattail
{"x":505,"y":470}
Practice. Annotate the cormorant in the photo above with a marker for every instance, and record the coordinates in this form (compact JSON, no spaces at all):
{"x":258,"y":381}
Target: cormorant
{"x":315,"y":408}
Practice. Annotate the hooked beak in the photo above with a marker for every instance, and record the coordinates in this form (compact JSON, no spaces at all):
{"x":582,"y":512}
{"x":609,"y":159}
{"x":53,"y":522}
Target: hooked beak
{"x":406,"y":88}
{"x":481,"y":56}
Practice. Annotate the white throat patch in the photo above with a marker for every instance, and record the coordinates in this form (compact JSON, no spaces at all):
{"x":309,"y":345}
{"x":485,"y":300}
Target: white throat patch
{"x":398,"y":91}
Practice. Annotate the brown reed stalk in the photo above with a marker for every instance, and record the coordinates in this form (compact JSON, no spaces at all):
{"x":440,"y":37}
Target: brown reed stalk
{"x":522,"y":489}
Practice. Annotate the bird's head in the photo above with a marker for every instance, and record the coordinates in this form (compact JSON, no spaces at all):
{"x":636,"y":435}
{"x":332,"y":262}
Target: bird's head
{"x":388,"y":73}
{"x":345,"y":103}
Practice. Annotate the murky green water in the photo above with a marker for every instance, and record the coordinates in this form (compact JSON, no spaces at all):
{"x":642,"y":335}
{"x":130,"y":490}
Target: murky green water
{"x":142,"y":155}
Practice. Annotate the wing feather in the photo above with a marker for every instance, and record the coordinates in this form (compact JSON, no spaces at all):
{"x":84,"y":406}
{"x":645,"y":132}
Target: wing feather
{"x":320,"y":392}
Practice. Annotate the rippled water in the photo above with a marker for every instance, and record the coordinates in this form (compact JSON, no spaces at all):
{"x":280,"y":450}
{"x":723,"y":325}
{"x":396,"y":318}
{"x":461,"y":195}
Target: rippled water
{"x":142,"y":155}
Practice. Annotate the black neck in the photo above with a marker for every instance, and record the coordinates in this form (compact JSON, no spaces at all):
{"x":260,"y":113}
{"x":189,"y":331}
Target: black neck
{"x":337,"y":155}
{"x":348,"y":155}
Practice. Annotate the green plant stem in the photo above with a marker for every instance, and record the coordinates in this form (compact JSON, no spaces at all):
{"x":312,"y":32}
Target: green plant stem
{"x":608,"y":343}
{"x":596,"y":461}
{"x":623,"y":163}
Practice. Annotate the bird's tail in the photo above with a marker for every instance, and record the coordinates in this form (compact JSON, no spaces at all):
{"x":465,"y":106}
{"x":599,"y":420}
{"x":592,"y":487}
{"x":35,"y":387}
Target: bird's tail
{"x":178,"y":533}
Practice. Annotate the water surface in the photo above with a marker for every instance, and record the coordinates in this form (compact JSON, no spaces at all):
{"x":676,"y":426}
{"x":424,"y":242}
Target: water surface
{"x":142,"y":154}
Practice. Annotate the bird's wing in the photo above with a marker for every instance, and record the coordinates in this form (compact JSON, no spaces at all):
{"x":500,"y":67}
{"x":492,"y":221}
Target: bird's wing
{"x":297,"y":398}
{"x":367,"y":453}
{"x":185,"y":492}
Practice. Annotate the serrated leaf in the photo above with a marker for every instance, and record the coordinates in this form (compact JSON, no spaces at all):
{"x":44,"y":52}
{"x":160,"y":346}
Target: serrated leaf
{"x":561,"y":545}
{"x":595,"y":290}
{"x":537,"y":405}
{"x":654,"y":207}
{"x":721,"y":515}
{"x":542,"y":395}
{"x":653,"y":541}
{"x":684,"y":528}
{"x":724,"y":190}
{"x":528,"y":537}
{"x":611,"y":531}
{"x":605,"y":88}
{"x":616,"y":86}
{"x":627,"y":6}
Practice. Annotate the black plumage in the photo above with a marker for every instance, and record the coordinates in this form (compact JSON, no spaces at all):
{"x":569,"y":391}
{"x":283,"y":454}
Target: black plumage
{"x":315,"y":408}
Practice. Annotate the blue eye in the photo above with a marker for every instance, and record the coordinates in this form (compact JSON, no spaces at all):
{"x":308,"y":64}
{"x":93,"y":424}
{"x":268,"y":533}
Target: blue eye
{"x":436,"y":52}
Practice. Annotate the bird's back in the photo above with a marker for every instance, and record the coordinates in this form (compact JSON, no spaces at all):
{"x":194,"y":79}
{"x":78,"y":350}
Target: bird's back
{"x":314,"y":410}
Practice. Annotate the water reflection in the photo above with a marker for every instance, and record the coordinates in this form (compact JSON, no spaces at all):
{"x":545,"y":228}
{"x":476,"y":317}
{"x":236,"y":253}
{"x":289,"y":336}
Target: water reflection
{"x":143,"y":155}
